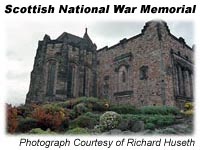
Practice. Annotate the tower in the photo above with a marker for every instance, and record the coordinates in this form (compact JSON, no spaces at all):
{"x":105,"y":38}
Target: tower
{"x":63,"y":68}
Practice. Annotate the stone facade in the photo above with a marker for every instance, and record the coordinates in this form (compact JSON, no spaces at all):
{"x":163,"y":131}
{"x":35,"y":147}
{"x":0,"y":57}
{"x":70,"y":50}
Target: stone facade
{"x":63,"y":68}
{"x":151,"y":68}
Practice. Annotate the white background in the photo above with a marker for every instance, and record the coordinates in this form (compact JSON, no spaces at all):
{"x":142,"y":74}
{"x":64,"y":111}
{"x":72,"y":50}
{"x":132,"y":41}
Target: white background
{"x":12,"y":141}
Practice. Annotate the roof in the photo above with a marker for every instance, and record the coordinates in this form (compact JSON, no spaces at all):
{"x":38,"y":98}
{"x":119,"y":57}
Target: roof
{"x":73,"y":39}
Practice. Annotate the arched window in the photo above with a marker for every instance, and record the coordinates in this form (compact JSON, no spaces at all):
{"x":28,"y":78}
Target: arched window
{"x":122,"y":74}
{"x":122,"y":78}
{"x":71,"y":80}
{"x":51,"y":77}
{"x":123,"y":81}
{"x":106,"y":87}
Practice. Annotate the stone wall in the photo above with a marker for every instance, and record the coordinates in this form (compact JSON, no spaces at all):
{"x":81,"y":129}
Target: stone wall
{"x":149,"y":68}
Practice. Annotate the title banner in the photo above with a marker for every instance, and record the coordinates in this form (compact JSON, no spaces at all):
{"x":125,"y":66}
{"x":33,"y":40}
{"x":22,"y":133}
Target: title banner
{"x":83,"y":9}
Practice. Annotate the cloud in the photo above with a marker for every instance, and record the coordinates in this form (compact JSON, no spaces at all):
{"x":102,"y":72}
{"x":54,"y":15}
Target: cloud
{"x":16,"y":76}
{"x":113,"y":29}
{"x":110,"y":33}
{"x":183,"y":29}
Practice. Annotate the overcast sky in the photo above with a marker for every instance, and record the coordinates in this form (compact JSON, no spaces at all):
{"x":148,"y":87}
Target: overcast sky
{"x":22,"y":39}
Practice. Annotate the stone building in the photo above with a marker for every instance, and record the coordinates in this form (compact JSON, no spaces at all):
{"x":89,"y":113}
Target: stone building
{"x":151,"y":68}
{"x":64,"y":68}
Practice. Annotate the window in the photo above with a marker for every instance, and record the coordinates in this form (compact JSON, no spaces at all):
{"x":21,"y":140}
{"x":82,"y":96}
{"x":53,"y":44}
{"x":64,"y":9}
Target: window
{"x":51,"y":78}
{"x":123,"y":88}
{"x":122,"y":80}
{"x":106,"y":87}
{"x":183,"y":76}
{"x":143,"y":72}
{"x":71,"y":80}
{"x":122,"y":74}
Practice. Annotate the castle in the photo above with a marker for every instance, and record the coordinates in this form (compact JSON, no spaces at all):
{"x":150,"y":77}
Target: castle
{"x":151,"y":68}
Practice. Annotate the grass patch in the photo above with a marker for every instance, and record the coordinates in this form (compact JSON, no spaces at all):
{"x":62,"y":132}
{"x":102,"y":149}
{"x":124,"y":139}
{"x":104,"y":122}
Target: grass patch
{"x":161,"y":110}
{"x":151,"y":121}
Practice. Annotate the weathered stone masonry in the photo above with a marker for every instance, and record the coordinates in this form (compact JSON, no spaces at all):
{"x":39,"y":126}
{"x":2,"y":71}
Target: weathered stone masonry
{"x":63,"y":68}
{"x":151,"y":68}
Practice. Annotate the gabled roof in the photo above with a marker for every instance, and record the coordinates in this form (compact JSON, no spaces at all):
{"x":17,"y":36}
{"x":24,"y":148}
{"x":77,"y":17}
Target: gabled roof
{"x":71,"y":37}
